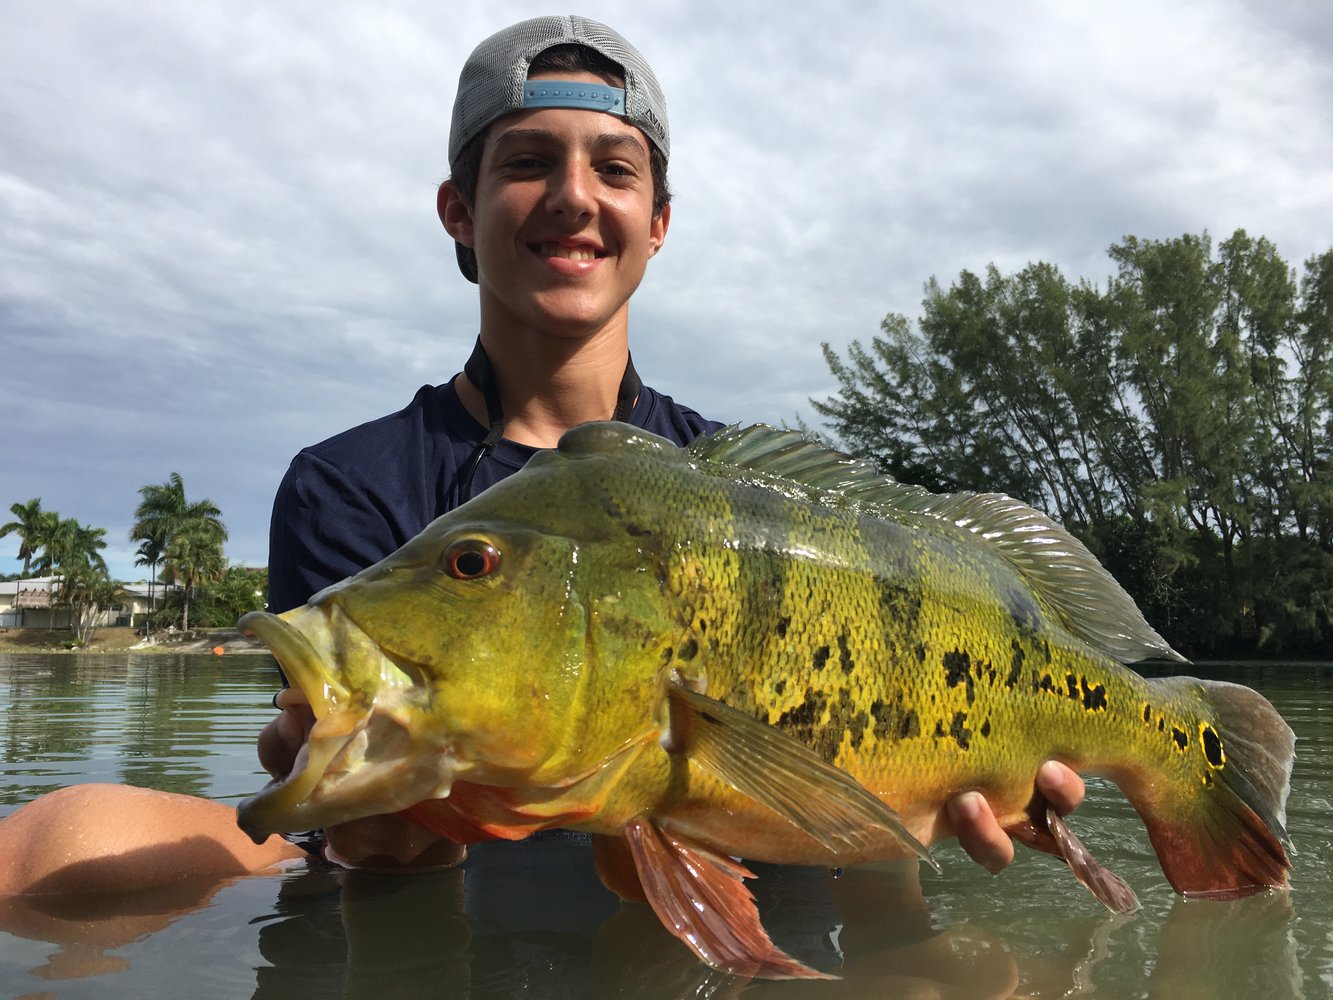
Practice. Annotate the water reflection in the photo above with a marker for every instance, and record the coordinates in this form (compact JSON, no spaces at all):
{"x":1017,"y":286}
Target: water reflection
{"x":532,"y":918}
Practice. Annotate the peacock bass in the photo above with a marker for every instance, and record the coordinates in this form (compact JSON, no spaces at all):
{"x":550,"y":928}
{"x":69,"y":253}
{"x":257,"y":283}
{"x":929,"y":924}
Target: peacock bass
{"x":756,"y":647}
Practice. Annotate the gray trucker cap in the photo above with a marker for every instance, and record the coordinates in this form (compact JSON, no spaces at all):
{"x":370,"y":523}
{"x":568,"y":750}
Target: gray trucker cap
{"x":494,"y":81}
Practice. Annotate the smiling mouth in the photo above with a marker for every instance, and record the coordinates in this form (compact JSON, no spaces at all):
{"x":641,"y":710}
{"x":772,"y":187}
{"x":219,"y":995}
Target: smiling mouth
{"x":567,"y":253}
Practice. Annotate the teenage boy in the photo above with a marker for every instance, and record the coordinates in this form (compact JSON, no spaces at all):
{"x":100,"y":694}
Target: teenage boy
{"x":556,"y":202}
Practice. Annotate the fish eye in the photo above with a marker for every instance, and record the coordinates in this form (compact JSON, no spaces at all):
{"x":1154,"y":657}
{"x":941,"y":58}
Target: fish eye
{"x":471,"y":559}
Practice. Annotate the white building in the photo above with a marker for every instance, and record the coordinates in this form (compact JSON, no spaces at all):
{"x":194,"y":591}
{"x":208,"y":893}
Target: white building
{"x":28,"y":603}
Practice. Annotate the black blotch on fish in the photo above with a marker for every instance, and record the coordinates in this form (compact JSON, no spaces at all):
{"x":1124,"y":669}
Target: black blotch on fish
{"x":844,"y":717}
{"x":959,"y":731}
{"x":899,"y":605}
{"x":1147,"y":714}
{"x":804,"y":723}
{"x":1015,"y":665}
{"x":845,"y":653}
{"x":958,"y":670}
{"x":1071,"y":683}
{"x":894,"y":720}
{"x":687,"y":650}
{"x":821,"y":657}
{"x":1212,"y":746}
{"x":784,"y":623}
{"x":985,"y":728}
{"x":1181,"y":738}
{"x":1094,"y":698}
{"x":1024,"y":612}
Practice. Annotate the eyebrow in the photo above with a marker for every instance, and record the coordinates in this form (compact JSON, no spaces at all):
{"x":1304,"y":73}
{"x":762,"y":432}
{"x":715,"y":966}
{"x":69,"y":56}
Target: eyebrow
{"x":603,"y":142}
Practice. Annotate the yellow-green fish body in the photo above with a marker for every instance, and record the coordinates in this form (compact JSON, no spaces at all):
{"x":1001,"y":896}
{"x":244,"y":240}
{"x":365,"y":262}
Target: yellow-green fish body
{"x":632,"y":639}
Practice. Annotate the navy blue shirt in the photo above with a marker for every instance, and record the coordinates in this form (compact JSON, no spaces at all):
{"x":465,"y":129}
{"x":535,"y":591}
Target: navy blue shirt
{"x":348,"y":502}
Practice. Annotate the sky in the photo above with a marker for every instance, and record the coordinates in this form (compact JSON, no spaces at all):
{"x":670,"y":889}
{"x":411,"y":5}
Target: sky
{"x":218,"y":240}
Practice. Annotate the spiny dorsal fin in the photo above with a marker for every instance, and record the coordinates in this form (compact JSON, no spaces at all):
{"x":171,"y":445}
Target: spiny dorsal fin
{"x":1087,"y":598}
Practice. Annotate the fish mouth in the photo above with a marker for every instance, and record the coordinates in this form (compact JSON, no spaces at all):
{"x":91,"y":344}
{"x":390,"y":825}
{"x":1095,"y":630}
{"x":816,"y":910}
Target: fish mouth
{"x":364,"y":755}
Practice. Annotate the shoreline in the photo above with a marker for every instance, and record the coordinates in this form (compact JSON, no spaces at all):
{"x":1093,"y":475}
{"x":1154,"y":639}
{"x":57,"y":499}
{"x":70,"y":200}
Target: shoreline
{"x":125,"y":640}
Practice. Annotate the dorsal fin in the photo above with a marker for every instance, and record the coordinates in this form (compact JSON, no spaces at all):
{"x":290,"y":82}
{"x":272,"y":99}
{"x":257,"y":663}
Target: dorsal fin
{"x":1090,"y":603}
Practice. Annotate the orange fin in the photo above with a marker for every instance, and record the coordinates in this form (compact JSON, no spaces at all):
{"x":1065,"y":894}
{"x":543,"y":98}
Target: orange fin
{"x":439,"y":816}
{"x":1050,"y":834}
{"x":1113,"y":892}
{"x":699,"y":897}
{"x":615,"y":867}
{"x":783,"y":774}
{"x":1224,"y":837}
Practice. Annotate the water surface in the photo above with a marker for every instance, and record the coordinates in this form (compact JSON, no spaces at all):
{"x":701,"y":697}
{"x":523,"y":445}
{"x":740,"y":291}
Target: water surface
{"x":532,"y":919}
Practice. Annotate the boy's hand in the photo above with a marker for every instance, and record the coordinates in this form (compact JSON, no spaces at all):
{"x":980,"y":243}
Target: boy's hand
{"x":980,"y":833}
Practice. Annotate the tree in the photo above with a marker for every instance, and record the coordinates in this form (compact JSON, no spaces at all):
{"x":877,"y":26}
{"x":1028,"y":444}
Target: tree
{"x":87,"y":589}
{"x":1179,"y":421}
{"x":29,"y":525}
{"x":193,"y":556}
{"x":84,"y":586}
{"x":185,"y":537}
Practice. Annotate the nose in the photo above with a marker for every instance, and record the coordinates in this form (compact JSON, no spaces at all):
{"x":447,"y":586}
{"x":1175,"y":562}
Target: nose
{"x":570,"y":190}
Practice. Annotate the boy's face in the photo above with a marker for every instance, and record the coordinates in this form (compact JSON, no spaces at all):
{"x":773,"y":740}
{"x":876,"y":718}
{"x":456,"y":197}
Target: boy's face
{"x":562,"y":222}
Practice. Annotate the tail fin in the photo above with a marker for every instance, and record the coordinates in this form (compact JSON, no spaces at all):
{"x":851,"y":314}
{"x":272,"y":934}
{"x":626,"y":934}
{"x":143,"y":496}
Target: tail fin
{"x":1224,"y":836}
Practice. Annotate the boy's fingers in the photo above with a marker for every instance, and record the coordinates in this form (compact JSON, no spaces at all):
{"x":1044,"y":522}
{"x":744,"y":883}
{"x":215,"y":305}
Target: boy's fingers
{"x":979,"y":832}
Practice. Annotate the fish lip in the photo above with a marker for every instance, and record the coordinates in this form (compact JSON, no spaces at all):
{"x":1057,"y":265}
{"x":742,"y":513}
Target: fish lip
{"x":298,"y":660}
{"x":262,"y":814}
{"x":361,"y":757}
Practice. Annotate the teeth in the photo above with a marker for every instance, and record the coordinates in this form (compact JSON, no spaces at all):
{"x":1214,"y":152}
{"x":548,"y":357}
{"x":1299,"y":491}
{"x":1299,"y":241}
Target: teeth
{"x":568,"y":253}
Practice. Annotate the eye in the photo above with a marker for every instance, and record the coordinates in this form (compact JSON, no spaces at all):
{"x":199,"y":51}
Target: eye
{"x":470,"y":559}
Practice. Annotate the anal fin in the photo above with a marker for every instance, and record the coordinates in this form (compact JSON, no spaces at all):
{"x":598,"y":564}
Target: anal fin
{"x":699,"y":896}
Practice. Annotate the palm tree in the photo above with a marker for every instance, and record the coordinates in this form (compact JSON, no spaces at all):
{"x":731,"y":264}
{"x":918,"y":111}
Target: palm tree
{"x":149,"y":553}
{"x":163,"y":519}
{"x":193,"y":556}
{"x":86,"y":588}
{"x":28,"y":526}
{"x":73,"y":552}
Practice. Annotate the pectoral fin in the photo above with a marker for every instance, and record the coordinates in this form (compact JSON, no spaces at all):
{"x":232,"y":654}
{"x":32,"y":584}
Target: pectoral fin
{"x":699,"y":897}
{"x":775,"y":769}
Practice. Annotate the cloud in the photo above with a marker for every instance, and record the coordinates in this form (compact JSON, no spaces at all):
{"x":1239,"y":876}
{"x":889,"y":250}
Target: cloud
{"x":219,"y":242}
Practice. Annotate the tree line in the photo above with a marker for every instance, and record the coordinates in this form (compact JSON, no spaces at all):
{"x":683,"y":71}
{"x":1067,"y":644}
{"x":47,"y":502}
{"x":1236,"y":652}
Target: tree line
{"x":184,"y":538}
{"x":1178,"y":420}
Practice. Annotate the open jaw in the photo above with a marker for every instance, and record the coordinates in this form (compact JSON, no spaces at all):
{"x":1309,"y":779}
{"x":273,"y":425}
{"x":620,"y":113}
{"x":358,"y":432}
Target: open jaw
{"x":364,"y":755}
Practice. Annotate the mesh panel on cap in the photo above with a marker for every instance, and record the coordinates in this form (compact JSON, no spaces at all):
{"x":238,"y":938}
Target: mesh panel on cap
{"x":491,"y":83}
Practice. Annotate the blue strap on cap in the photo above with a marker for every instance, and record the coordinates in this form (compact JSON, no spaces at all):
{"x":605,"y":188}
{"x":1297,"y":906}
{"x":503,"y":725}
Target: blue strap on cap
{"x":585,"y":96}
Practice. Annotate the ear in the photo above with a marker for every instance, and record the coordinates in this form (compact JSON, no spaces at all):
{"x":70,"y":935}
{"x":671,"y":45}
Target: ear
{"x":657,"y":230}
{"x":454,"y":213}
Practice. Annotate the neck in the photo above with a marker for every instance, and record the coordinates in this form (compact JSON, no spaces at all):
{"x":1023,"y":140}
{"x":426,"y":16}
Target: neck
{"x":549,"y":384}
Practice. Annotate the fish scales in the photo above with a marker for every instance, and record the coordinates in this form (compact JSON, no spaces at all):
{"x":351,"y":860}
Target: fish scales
{"x":755,"y":647}
{"x":878,"y":647}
